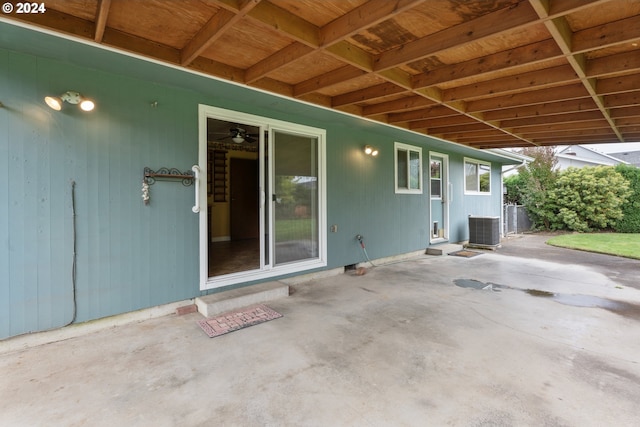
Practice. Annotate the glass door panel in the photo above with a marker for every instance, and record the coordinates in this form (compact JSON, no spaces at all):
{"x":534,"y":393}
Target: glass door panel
{"x":295,"y":197}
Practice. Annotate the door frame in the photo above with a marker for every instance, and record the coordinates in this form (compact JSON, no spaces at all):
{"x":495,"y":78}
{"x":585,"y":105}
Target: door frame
{"x":447,"y":194}
{"x":267,"y":269}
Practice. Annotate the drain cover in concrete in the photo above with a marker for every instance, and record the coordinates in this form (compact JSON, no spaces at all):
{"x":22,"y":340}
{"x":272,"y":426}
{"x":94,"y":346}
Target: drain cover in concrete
{"x":238,"y":319}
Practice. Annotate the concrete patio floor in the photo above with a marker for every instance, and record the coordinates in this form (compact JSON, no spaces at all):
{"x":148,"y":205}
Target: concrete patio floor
{"x":402,"y":345}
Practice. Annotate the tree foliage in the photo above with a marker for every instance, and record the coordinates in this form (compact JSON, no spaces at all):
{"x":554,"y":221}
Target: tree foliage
{"x":587,"y":199}
{"x":514,"y":185}
{"x":630,"y":222}
{"x":538,"y":178}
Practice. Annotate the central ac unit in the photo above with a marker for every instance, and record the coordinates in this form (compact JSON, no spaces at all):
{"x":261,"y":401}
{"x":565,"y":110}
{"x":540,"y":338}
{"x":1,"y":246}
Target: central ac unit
{"x":484,"y":231}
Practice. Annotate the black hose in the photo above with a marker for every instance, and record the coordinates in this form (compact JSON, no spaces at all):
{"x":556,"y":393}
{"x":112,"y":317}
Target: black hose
{"x":74,"y":255}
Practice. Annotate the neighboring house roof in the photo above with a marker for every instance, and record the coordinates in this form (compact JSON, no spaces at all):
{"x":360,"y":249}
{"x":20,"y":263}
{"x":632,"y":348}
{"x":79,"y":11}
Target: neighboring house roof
{"x":578,"y":156}
{"x":631,"y":157}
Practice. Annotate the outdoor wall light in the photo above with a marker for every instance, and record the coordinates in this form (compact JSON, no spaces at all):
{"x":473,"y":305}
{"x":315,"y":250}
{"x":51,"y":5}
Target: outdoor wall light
{"x":370,"y":151}
{"x":71,"y":97}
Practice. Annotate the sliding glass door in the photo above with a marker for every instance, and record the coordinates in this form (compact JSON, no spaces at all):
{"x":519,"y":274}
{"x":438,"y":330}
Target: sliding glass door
{"x":264,"y":187}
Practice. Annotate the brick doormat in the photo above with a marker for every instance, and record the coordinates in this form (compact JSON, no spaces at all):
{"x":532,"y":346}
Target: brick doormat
{"x":465,"y":253}
{"x":239,"y":319}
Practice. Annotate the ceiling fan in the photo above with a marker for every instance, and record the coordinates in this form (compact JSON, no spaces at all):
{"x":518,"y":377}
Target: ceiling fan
{"x":239,"y":135}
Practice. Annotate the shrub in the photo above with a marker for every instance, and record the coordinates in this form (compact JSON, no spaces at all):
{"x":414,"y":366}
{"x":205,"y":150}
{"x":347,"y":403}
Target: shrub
{"x":515,"y":186}
{"x":588,"y":199}
{"x":630,"y":222}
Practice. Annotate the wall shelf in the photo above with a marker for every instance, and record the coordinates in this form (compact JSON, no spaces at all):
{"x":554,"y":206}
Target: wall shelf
{"x":164,"y":174}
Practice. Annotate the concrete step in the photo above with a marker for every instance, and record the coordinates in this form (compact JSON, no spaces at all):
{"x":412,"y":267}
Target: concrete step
{"x":444,"y":249}
{"x":214,"y":304}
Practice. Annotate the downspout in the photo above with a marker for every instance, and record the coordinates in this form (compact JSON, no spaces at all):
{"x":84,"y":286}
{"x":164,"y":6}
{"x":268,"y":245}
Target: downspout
{"x":502,"y":172}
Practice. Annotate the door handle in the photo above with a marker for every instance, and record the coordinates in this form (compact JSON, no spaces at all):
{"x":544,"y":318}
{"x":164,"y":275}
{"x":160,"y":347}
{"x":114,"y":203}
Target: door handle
{"x":196,"y":177}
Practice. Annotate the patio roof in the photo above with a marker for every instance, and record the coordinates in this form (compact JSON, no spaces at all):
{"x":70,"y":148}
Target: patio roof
{"x":487,"y":74}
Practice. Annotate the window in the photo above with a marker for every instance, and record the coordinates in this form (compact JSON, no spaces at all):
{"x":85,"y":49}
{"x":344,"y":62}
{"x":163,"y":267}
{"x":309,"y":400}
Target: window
{"x":408,"y":161}
{"x":436,"y":178}
{"x":477,"y":177}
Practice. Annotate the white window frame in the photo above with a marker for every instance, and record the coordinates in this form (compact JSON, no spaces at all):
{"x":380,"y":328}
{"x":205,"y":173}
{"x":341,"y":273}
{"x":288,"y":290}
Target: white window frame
{"x":408,"y":148}
{"x":431,"y":179}
{"x":478,"y":164}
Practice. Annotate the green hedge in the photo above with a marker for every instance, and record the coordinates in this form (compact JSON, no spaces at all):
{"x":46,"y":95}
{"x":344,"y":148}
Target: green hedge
{"x":630,"y":222}
{"x":587,"y":199}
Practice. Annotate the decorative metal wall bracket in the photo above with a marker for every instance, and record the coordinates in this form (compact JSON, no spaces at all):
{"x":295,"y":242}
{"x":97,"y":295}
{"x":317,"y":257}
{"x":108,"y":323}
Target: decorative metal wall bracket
{"x":150,"y":176}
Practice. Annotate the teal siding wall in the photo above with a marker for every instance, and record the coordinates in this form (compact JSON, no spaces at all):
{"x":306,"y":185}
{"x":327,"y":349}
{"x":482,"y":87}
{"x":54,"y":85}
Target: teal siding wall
{"x":476,"y":205}
{"x":131,"y":256}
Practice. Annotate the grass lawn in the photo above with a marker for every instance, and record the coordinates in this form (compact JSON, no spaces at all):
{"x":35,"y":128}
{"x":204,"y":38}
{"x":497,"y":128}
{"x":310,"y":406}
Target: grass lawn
{"x":620,"y":244}
{"x":294,"y":229}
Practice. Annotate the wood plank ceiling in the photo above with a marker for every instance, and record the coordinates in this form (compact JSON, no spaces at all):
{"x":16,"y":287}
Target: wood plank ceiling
{"x":484,"y":73}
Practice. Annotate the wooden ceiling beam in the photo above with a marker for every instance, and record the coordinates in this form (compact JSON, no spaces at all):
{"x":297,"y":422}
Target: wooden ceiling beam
{"x":275,"y":86}
{"x":403,"y":104}
{"x":631,"y":129}
{"x":617,"y":84}
{"x":466,"y":139}
{"x":224,"y":71}
{"x":141,"y":46}
{"x":367,"y":15}
{"x":286,"y":23}
{"x":436,"y":122}
{"x":509,"y":59}
{"x":606,"y":35}
{"x":561,"y":32}
{"x":627,"y":99}
{"x":551,"y":119}
{"x":352,"y":55}
{"x":431,"y":112}
{"x":585,"y":139}
{"x":207,"y":35}
{"x":327,"y":79}
{"x":561,"y":107}
{"x":563,"y":7}
{"x":450,"y":121}
{"x":488,"y":25}
{"x":487,"y":132}
{"x":460,"y":128}
{"x":538,"y":96}
{"x":102,"y":12}
{"x":59,"y":21}
{"x":628,"y":121}
{"x":505,"y":141}
{"x":591,"y":124}
{"x":618,"y":113}
{"x":279,"y":59}
{"x":213,"y":30}
{"x":370,"y":93}
{"x":547,"y":77}
{"x":613,"y":64}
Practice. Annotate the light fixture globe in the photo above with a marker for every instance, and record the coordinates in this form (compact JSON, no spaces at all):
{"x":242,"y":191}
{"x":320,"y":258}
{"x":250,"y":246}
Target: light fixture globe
{"x":71,"y":97}
{"x":87,"y":105}
{"x":54,"y":102}
{"x":370,"y":151}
